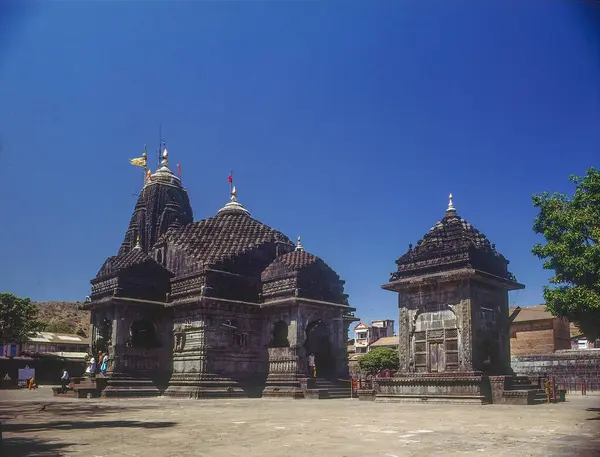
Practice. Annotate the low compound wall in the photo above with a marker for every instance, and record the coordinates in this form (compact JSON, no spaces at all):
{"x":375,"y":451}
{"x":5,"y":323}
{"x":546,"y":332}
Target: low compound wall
{"x":571,"y":368}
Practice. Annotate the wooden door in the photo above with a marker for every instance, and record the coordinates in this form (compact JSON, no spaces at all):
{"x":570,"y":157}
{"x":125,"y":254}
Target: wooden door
{"x":436,"y":357}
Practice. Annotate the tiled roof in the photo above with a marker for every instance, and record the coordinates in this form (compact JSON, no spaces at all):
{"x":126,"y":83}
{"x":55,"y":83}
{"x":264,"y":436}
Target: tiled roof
{"x":450,"y":243}
{"x":219,"y":238}
{"x":291,"y":262}
{"x":386,"y":341}
{"x":134,"y":257}
{"x":531,"y":313}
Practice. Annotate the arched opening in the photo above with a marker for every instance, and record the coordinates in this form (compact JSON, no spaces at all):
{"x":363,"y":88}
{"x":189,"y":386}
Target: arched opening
{"x":318,"y":342}
{"x":143,"y":335}
{"x":279,"y":337}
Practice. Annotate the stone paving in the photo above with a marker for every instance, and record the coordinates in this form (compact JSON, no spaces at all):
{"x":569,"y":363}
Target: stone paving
{"x":37,"y":424}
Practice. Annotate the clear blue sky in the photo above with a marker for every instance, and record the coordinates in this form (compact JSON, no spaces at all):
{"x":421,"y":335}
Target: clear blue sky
{"x":345,"y":122}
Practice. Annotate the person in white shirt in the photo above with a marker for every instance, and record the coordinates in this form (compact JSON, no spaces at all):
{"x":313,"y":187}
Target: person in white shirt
{"x":311,"y":365}
{"x":64,"y":380}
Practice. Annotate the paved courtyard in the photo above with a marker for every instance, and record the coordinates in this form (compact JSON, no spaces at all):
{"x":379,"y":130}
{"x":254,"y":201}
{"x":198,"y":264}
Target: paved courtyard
{"x":36,"y":424}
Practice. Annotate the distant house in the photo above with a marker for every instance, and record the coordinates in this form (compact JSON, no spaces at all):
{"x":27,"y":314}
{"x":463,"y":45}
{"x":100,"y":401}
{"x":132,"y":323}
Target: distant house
{"x":366,"y":334}
{"x":73,"y":347}
{"x":580,"y":341}
{"x":533,"y":330}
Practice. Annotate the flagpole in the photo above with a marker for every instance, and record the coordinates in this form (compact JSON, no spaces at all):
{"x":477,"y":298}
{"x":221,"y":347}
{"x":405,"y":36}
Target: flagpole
{"x":145,"y":164}
{"x":231,"y":182}
{"x":159,"y":144}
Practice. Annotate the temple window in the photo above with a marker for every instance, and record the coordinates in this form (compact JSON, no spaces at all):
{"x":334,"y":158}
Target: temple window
{"x":143,"y":335}
{"x":279,"y":337}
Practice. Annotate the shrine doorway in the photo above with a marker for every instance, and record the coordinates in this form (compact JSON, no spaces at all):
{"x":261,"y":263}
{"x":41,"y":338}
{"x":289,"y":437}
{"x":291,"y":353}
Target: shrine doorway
{"x":318,"y":342}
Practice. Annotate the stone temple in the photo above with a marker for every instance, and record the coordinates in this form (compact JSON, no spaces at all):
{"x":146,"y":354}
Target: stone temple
{"x":224,"y":306}
{"x":454,"y":341}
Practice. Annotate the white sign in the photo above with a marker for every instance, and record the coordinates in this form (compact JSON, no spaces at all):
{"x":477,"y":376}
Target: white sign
{"x":26,"y":373}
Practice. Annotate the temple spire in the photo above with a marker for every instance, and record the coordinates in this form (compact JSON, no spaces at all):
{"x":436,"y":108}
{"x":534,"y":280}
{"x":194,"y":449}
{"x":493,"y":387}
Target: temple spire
{"x":299,"y":245}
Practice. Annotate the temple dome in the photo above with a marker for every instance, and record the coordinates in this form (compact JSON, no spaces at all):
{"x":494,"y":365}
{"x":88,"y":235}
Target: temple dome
{"x":302,"y":274}
{"x":452,"y":243}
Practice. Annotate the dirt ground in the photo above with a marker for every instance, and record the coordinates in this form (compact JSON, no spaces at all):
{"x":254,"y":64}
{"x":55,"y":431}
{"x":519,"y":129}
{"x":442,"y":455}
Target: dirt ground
{"x":36,"y":424}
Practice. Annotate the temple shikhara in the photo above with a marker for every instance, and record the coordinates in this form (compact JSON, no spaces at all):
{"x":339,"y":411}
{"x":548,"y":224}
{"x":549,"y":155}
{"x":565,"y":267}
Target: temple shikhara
{"x":224,"y":306}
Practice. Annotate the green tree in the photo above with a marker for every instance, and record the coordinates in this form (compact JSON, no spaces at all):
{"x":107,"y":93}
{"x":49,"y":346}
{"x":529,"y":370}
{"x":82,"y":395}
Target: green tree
{"x":571,"y":227}
{"x":379,"y":359}
{"x":18,"y":318}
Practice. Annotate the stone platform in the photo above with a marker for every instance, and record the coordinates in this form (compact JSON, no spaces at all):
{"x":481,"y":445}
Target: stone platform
{"x":469,"y":387}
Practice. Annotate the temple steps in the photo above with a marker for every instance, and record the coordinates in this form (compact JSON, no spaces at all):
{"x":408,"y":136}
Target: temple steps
{"x":521,"y":386}
{"x":330,"y":388}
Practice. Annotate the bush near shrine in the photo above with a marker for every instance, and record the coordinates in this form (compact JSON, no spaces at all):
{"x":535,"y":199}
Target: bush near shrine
{"x":379,"y":359}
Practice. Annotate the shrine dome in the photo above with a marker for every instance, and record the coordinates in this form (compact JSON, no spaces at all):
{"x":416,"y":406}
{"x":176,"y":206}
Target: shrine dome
{"x":450,"y":244}
{"x":302,"y":274}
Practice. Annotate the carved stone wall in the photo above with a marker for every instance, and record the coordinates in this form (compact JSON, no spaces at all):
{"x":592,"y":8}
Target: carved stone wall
{"x":435,"y":328}
{"x":131,"y":356}
{"x":212,"y":341}
{"x":491,"y":329}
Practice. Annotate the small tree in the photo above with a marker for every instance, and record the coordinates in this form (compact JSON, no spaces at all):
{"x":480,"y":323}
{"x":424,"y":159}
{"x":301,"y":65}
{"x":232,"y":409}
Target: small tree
{"x":379,"y":359}
{"x":18,"y":319}
{"x":571,"y":226}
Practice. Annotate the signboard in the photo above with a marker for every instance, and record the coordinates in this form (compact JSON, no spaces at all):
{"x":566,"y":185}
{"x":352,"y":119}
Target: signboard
{"x":25,"y":373}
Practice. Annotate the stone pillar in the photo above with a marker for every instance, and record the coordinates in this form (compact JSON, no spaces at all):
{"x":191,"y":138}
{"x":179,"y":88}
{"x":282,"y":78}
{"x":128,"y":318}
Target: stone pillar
{"x":404,"y":352}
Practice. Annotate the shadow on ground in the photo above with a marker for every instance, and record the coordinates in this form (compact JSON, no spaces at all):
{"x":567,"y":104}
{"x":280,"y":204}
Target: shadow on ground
{"x":42,"y":410}
{"x":594,"y":410}
{"x":29,"y":418}
{"x":26,"y":447}
{"x":81,"y":425}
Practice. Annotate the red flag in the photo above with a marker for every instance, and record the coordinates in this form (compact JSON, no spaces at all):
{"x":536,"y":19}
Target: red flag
{"x":178,"y":170}
{"x":230,"y":178}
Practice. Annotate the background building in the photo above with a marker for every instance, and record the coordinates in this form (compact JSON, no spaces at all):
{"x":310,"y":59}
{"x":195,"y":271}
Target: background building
{"x":533,"y":330}
{"x":367,"y":334}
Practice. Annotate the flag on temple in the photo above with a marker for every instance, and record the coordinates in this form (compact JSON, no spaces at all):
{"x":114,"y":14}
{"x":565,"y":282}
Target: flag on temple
{"x":230,"y":178}
{"x":178,"y":170}
{"x":138,"y":162}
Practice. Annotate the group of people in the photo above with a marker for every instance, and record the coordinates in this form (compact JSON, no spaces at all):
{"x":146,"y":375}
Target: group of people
{"x":92,"y":368}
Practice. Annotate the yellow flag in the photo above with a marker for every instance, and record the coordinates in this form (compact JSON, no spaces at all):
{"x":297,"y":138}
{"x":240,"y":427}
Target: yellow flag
{"x":138,"y":162}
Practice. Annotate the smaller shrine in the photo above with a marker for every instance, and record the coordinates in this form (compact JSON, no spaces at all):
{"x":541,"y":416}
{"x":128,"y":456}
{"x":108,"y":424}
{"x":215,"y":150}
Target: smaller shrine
{"x":454,"y":342}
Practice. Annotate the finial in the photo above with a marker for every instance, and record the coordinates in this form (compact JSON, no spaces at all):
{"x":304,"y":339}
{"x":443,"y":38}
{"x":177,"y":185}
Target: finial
{"x":450,"y":204}
{"x":137,"y":242}
{"x":165,"y":158}
{"x":148,"y":175}
{"x":233,"y":205}
{"x":299,"y":245}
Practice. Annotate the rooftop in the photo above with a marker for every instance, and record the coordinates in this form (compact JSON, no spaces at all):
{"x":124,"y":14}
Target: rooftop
{"x":386,"y":341}
{"x":530,"y":313}
{"x":62,"y":338}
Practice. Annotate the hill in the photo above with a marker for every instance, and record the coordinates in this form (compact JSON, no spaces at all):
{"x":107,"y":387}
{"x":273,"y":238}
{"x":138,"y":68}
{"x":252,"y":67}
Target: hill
{"x":64,"y":317}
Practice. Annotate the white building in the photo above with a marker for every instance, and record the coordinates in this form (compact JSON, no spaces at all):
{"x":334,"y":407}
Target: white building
{"x":366,"y":334}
